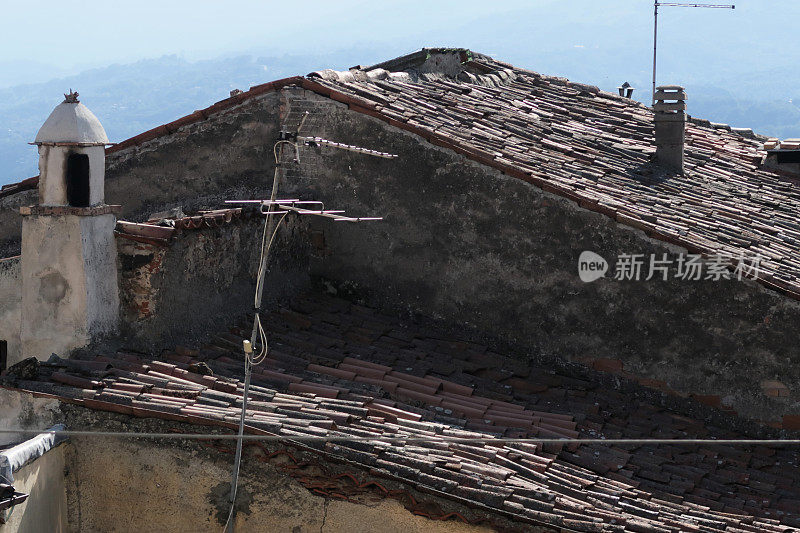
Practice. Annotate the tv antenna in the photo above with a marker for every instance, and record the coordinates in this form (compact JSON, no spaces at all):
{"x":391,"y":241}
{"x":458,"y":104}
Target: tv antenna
{"x":656,"y":5}
{"x":256,"y":349}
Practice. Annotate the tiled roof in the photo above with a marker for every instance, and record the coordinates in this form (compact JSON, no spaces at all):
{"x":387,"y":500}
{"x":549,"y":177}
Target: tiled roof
{"x":576,"y":141}
{"x":341,"y":369}
{"x":14,"y":188}
{"x":161,"y":232}
{"x":595,"y":148}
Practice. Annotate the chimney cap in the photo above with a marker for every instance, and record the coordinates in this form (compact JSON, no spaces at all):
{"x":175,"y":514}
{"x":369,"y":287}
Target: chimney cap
{"x":669,"y":88}
{"x":72,"y":122}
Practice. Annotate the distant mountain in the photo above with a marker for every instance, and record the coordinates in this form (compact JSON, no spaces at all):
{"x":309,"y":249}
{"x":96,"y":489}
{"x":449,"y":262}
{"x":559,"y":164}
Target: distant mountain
{"x":132,"y":98}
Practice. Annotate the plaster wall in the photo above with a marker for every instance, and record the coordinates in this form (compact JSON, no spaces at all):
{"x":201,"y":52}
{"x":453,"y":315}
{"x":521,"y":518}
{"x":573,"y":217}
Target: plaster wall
{"x":99,"y":248}
{"x":52,"y":168}
{"x":10,"y":306}
{"x":69,"y":282}
{"x":121,"y":485}
{"x":42,"y":478}
{"x":46,"y":506}
{"x":22,"y":410}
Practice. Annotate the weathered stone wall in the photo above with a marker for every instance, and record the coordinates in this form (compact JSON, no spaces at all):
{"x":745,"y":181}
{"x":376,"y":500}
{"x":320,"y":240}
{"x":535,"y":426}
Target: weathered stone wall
{"x":10,"y":306}
{"x":227,"y":157}
{"x":203,"y":280}
{"x":490,"y":253}
{"x":11,"y":220}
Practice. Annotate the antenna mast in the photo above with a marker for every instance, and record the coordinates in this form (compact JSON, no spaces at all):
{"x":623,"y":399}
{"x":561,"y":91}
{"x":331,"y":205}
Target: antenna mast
{"x":256,"y":348}
{"x":656,"y":5}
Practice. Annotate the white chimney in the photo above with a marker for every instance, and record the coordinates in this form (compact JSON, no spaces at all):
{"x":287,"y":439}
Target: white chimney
{"x":69,"y":274}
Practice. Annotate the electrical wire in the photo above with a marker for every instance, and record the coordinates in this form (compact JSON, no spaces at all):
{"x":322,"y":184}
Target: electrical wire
{"x":404,"y":439}
{"x":266,"y":246}
{"x":258,"y":333}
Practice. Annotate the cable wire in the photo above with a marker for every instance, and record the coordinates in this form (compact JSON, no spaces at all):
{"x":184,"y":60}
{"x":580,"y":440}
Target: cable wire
{"x":403,"y":439}
{"x":258,"y":333}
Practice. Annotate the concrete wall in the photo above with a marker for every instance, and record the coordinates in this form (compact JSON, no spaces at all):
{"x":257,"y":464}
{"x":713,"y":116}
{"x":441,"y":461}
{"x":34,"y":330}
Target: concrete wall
{"x":69,"y":281}
{"x":24,"y":411}
{"x":46,"y":506}
{"x":204,"y":280}
{"x":10,"y":306}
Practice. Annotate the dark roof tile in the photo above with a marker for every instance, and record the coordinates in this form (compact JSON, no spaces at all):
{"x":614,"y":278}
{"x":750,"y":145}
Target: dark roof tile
{"x":589,"y":487}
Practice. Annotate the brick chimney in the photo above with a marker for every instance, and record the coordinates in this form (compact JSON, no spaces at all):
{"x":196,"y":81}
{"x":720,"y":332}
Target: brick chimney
{"x":670,"y":126}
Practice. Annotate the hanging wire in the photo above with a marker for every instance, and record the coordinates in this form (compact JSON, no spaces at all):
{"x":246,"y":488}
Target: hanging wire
{"x":288,"y":439}
{"x":251,"y":357}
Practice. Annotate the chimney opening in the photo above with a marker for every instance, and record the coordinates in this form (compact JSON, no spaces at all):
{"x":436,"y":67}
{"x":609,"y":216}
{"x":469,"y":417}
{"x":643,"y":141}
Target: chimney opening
{"x":78,"y":180}
{"x":625,"y":90}
{"x":788,"y":157}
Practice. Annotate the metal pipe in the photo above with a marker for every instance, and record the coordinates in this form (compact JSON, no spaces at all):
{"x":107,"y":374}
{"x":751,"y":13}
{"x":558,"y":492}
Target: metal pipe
{"x":655,"y":44}
{"x":656,"y":3}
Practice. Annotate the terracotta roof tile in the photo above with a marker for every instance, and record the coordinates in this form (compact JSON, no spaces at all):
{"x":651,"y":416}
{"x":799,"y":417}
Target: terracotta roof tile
{"x":587,"y":488}
{"x":575,"y":141}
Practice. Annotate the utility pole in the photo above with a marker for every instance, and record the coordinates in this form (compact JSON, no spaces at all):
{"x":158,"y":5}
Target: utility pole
{"x":656,"y":5}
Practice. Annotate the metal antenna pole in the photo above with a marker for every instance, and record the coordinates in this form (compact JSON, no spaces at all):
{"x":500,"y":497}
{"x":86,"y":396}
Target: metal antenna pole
{"x":656,"y":3}
{"x":655,"y":44}
{"x":270,"y":228}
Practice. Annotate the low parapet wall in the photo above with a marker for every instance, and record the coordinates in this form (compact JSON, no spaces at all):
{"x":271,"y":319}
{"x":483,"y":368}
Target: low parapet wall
{"x":10,"y":308}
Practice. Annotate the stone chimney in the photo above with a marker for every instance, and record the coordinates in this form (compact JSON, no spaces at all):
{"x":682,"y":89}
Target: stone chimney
{"x":783,"y":156}
{"x":670,"y":126}
{"x":69,"y":273}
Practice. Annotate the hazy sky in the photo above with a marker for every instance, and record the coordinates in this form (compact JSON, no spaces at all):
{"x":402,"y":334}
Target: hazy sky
{"x":739,"y":66}
{"x":66,"y":36}
{"x":72,"y":33}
